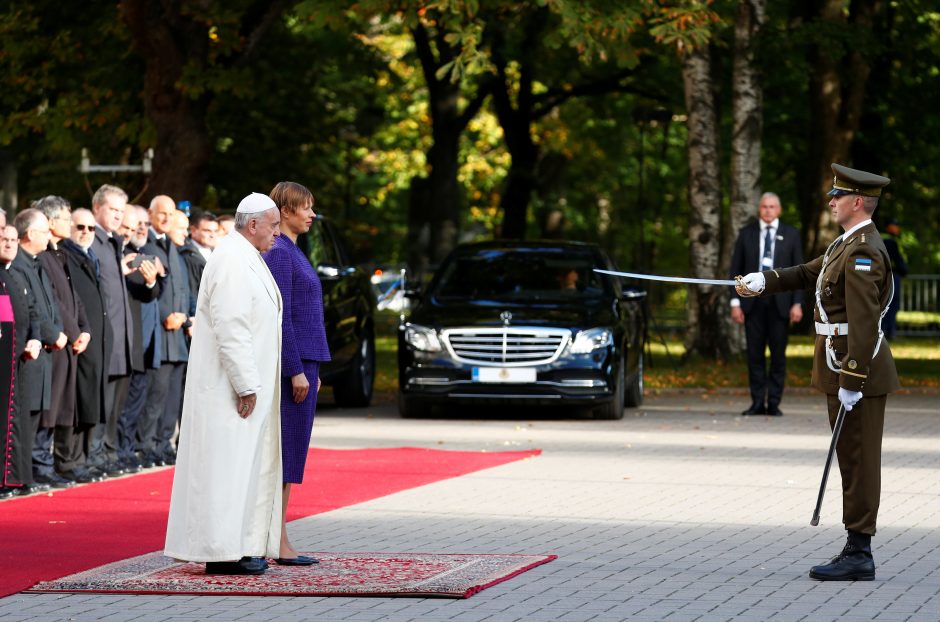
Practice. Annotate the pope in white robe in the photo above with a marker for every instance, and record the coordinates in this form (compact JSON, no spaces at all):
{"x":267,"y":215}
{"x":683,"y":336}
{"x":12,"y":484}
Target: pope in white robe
{"x":226,"y":500}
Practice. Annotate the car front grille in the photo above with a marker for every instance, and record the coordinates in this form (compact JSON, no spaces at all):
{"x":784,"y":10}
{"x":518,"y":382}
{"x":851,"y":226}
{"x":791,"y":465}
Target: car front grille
{"x":505,"y":347}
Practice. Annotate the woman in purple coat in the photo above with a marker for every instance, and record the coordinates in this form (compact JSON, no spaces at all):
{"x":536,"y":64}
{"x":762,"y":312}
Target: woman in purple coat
{"x":304,"y":344}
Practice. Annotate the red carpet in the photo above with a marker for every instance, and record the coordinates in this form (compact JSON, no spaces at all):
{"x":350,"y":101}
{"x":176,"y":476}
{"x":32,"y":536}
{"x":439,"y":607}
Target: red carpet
{"x":45,"y":537}
{"x":345,"y":574}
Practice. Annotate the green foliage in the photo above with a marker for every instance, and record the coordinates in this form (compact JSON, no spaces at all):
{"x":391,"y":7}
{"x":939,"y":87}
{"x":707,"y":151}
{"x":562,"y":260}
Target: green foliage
{"x":334,"y":98}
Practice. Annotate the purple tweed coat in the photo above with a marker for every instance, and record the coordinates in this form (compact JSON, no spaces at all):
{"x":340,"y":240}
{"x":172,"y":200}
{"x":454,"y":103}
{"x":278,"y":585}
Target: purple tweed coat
{"x":303,"y":348}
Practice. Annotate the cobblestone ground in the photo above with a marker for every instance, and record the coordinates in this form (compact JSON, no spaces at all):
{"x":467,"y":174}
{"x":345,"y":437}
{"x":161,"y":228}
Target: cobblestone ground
{"x":681,"y":511}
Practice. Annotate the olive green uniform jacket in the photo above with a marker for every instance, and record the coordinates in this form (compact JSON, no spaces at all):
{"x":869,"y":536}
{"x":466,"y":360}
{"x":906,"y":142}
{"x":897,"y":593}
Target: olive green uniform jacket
{"x":856,"y":286}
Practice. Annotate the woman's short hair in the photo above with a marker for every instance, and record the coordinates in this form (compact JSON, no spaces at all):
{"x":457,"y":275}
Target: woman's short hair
{"x":290,"y":196}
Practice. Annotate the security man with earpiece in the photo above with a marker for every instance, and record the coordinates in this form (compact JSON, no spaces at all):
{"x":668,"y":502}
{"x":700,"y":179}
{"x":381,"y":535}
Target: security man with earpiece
{"x":852,"y":363}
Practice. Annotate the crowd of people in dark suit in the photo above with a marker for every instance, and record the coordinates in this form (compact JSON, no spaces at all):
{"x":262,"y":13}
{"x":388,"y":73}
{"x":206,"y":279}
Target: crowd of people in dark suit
{"x":96,"y":314}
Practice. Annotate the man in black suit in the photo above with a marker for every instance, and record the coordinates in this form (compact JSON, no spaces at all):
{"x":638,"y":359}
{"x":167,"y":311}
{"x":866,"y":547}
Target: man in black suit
{"x":36,"y":376}
{"x":764,"y":245}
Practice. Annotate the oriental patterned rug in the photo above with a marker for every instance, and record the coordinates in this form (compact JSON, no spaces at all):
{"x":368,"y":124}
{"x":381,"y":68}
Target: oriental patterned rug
{"x":337,"y":574}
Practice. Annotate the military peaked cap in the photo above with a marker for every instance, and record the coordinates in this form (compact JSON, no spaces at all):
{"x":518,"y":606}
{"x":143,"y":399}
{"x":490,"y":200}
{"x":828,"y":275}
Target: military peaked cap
{"x":853,"y":181}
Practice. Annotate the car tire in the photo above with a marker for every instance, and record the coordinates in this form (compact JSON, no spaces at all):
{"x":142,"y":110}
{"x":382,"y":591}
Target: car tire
{"x":412,"y":408}
{"x":634,"y":393}
{"x":613,"y":409}
{"x":354,"y":389}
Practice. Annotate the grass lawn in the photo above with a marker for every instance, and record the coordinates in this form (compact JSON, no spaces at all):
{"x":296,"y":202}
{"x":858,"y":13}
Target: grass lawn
{"x":918,"y":362}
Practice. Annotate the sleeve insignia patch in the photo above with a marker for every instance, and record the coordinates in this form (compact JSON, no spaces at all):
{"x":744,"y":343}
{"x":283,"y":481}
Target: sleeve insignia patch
{"x":863,"y":264}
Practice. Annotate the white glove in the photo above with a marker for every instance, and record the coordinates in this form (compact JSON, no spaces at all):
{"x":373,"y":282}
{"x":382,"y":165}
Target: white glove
{"x":750,"y":285}
{"x":849,"y":398}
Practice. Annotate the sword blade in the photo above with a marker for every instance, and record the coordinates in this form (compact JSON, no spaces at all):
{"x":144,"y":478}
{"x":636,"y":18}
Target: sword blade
{"x":666,"y":279}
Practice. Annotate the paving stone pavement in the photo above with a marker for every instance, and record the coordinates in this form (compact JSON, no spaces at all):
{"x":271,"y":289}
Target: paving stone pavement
{"x":682,"y":511}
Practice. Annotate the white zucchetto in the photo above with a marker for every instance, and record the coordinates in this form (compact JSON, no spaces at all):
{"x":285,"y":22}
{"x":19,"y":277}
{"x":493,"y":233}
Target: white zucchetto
{"x":254,"y":203}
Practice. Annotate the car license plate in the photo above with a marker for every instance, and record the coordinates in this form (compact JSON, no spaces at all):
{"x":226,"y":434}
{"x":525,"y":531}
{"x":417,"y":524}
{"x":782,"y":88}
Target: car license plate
{"x":503,"y":374}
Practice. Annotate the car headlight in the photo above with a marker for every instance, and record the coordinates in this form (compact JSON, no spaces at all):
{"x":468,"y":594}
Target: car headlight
{"x":422,"y":338}
{"x":586,"y":341}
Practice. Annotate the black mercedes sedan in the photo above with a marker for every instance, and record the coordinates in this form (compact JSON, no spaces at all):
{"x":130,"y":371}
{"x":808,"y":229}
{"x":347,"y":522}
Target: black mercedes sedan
{"x":527,"y":323}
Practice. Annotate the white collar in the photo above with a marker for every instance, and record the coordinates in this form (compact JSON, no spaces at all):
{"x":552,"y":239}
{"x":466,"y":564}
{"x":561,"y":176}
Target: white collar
{"x":774,"y":224}
{"x":845,"y":236}
{"x":159,"y":236}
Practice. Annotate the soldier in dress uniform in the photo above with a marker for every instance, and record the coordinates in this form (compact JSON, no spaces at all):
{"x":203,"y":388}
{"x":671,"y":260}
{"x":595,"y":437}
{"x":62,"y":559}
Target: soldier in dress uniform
{"x":852,"y":363}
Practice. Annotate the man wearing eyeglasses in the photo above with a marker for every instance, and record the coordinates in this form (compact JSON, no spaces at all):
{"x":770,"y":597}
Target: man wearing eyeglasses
{"x":16,"y":458}
{"x":36,"y":375}
{"x":852,"y":365}
{"x":69,"y":439}
{"x":91,"y":376}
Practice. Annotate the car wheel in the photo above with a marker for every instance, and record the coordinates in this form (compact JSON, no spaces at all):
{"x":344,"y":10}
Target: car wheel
{"x":614,"y":408}
{"x":412,"y":408}
{"x":354,"y":389}
{"x":634,"y":393}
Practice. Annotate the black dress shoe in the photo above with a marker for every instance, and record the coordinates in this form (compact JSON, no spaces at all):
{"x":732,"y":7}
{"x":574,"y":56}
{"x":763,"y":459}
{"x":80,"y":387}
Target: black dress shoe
{"x":35,"y":487}
{"x":8,"y":492}
{"x":300,"y":560}
{"x":53,"y":479}
{"x":96,"y":471}
{"x":854,"y":563}
{"x":129,"y":465}
{"x":244,"y":566}
{"x":755,"y":410}
{"x":153,"y":459}
{"x":113,"y":469}
{"x":80,"y":475}
{"x":774,"y":412}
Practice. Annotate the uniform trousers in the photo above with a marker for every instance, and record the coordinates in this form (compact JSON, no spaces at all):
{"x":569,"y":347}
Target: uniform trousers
{"x":859,"y":454}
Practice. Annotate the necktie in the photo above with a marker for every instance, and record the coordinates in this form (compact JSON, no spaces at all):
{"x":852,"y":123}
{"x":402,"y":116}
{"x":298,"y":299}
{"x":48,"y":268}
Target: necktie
{"x":768,"y":260}
{"x":94,"y":260}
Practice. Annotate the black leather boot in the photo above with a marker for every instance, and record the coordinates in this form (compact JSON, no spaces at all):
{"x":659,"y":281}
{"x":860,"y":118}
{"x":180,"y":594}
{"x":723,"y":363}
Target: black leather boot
{"x":854,"y":563}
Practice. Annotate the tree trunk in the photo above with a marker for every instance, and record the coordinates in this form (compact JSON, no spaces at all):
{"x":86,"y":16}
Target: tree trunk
{"x":167,"y":41}
{"x":520,"y":180}
{"x":707,"y":305}
{"x":747,"y":114}
{"x":836,"y":108}
{"x":440,"y":191}
{"x":171,"y":39}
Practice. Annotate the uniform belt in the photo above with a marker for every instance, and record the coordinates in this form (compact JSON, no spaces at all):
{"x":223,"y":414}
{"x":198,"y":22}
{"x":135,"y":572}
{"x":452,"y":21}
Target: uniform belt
{"x":831,"y":330}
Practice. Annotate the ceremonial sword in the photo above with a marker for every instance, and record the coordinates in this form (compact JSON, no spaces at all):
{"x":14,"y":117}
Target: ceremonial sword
{"x":836,"y":429}
{"x":667,"y":279}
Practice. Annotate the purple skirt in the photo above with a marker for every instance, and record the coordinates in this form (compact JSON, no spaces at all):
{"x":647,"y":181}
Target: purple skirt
{"x":297,"y":424}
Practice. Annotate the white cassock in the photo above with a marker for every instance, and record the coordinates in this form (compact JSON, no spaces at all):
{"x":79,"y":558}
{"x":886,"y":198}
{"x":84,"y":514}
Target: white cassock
{"x":226,"y":500}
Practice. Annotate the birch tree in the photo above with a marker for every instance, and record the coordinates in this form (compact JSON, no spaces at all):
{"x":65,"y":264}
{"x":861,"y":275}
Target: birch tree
{"x":747,"y":119}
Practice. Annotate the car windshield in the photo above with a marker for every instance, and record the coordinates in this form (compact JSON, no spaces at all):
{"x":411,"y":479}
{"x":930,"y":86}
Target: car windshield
{"x":521,"y":275}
